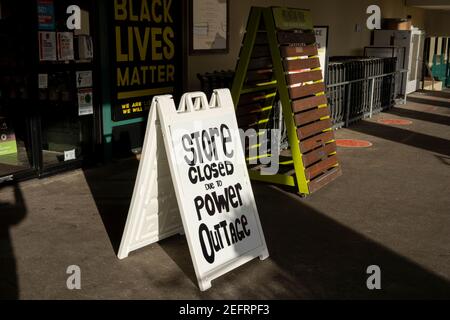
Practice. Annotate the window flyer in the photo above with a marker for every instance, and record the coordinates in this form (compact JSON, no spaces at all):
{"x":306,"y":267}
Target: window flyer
{"x":85,"y":47}
{"x":65,"y":46}
{"x":43,"y":80}
{"x":46,"y":15}
{"x":84,"y":79}
{"x":7,"y":138}
{"x":47,"y":46}
{"x":85,"y":105}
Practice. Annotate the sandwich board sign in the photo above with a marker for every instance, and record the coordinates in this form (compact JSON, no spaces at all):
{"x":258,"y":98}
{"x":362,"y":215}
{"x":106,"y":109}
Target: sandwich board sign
{"x":194,"y":153}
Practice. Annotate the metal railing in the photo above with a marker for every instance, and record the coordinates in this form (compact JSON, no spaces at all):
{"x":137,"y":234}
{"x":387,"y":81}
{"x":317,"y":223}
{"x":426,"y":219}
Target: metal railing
{"x":216,"y":79}
{"x":359,"y":87}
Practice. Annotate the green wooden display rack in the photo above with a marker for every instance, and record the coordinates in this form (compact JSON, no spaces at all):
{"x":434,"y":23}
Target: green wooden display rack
{"x":279,"y":59}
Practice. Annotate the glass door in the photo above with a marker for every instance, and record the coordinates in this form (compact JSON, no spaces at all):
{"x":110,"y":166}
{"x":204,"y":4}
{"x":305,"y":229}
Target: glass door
{"x":47,"y":108}
{"x":66,"y":136}
{"x":16,"y":145}
{"x":17,"y":110}
{"x":66,"y":85}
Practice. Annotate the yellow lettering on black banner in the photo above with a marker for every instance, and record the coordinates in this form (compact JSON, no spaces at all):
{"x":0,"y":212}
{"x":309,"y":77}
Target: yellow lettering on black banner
{"x":120,"y":11}
{"x":170,"y":72}
{"x":161,"y":42}
{"x":152,"y":76}
{"x":119,"y":55}
{"x":161,"y":73}
{"x":132,"y":17}
{"x":169,"y":49}
{"x":137,"y":106}
{"x":160,"y":11}
{"x":148,"y":47}
{"x":142,"y":45}
{"x":156,"y":18}
{"x":130,"y":44}
{"x":135,"y":78}
{"x":122,"y":79}
{"x":145,"y":75}
{"x":145,"y":13}
{"x":166,"y":9}
{"x":156,"y":44}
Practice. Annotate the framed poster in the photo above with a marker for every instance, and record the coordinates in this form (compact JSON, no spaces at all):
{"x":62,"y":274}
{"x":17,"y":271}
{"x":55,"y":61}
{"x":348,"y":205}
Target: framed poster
{"x":209,"y":26}
{"x":322,"y":44}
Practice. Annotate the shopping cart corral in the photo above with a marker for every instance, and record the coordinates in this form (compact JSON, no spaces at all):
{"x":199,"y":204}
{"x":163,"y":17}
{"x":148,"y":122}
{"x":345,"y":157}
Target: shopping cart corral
{"x":357,"y":88}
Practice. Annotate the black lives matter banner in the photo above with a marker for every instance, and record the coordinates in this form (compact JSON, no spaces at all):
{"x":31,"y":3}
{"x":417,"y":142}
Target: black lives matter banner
{"x":147,"y":54}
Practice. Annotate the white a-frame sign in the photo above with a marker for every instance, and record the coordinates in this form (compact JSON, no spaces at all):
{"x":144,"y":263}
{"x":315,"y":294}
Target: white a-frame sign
{"x":195,"y":154}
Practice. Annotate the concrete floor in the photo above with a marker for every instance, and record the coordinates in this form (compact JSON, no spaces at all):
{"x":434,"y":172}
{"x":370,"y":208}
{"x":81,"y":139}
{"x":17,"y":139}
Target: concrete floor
{"x":390,"y":208}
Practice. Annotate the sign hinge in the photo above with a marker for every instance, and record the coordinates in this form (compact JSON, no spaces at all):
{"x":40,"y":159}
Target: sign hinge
{"x":6,"y":178}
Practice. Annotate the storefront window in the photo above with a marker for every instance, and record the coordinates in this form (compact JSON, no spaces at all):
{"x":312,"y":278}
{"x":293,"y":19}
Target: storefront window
{"x":66,"y":93}
{"x":46,"y":86}
{"x":15,"y":79}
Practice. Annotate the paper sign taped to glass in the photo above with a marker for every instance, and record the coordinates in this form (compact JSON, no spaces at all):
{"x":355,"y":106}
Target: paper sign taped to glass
{"x":8,"y":143}
{"x":192,"y":167}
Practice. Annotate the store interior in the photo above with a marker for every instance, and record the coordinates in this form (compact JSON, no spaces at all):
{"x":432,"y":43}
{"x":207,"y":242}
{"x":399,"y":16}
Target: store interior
{"x":41,"y":123}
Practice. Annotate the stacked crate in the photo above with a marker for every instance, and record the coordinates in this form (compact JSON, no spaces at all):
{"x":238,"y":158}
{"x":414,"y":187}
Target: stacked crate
{"x":279,"y":63}
{"x":309,"y":107}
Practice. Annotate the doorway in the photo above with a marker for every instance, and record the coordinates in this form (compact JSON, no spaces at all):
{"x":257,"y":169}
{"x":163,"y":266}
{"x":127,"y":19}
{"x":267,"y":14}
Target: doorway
{"x":47,"y":100}
{"x":17,"y":143}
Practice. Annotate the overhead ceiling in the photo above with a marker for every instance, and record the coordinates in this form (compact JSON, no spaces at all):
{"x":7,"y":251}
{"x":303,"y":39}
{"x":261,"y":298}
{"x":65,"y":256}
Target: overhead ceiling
{"x":434,"y":7}
{"x":429,"y":4}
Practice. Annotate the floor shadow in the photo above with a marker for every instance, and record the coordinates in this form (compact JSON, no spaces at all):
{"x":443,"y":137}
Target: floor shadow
{"x":419,"y":115}
{"x":432,"y":102}
{"x":438,"y":94}
{"x":444,"y":160}
{"x":315,"y":256}
{"x":112,"y":188}
{"x":11,"y":214}
{"x":329,"y":260}
{"x":411,"y":138}
{"x":177,"y":249}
